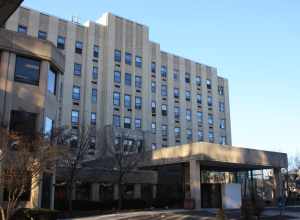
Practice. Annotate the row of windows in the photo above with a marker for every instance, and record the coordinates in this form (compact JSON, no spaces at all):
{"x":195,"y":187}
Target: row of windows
{"x":75,"y":117}
{"x":76,"y":94}
{"x":78,"y":69}
{"x":127,"y":100}
{"x":128,"y":58}
{"x":61,"y":41}
{"x":128,"y":79}
{"x":200,"y":137}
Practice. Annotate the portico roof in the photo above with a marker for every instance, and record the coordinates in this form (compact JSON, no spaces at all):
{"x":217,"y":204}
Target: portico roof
{"x":216,"y":157}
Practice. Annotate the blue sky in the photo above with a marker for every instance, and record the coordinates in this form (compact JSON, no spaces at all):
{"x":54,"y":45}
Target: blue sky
{"x":255,"y":44}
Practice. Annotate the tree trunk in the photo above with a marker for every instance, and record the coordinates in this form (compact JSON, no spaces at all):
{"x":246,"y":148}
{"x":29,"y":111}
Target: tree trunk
{"x":120,"y":200}
{"x":69,"y":198}
{"x":2,"y":213}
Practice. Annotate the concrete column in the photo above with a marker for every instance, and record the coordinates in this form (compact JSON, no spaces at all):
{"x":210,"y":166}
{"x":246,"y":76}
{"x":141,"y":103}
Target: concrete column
{"x":137,"y":191}
{"x":95,"y":187}
{"x":53,"y":191}
{"x":74,"y":192}
{"x":116,"y":192}
{"x":195,"y":183}
{"x":154,"y":191}
{"x":36,"y":193}
{"x":277,"y":184}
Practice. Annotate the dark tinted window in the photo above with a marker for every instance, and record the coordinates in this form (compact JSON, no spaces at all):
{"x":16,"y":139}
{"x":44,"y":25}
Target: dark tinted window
{"x":27,"y":70}
{"x":42,"y":35}
{"x":61,"y":42}
{"x":52,"y":74}
{"x":24,"y":122}
{"x":22,"y":29}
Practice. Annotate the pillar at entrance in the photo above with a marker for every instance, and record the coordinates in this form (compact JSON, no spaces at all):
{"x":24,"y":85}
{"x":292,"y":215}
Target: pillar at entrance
{"x":95,"y":191}
{"x":154,"y":190}
{"x":195,"y":183}
{"x":137,"y":191}
{"x":277,"y":184}
{"x":116,"y":192}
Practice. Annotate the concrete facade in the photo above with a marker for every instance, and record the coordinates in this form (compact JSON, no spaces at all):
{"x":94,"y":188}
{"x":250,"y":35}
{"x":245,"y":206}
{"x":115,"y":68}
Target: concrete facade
{"x":194,"y":120}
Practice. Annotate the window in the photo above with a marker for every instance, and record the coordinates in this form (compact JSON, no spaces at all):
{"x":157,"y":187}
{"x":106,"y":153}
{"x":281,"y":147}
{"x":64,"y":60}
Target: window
{"x":188,"y":114}
{"x":22,"y":29}
{"x":164,"y":90}
{"x":95,"y":73}
{"x":94,"y":96}
{"x":76,"y":93}
{"x":96,"y":51}
{"x":42,"y":35}
{"x":164,"y":110}
{"x":177,"y":132}
{"x":189,"y":135}
{"x":75,"y":117}
{"x":138,"y":82}
{"x":138,"y":102}
{"x":222,"y":123}
{"x":211,"y":136}
{"x":116,"y":121}
{"x":208,"y":84}
{"x":221,"y":90}
{"x":116,"y":98}
{"x":176,"y":93}
{"x":209,"y":101}
{"x":221,"y":107}
{"x":200,"y":136}
{"x":77,"y":69}
{"x":52,"y":74}
{"x":153,"y":127}
{"x":153,"y":107}
{"x":210,"y":119}
{"x":138,"y":123}
{"x":198,"y":80}
{"x":138,"y":61}
{"x":199,"y":98}
{"x":187,"y":77}
{"x":127,"y":79}
{"x":176,"y":75}
{"x":78,"y":47}
{"x":153,"y":146}
{"x":93,"y":118}
{"x":153,"y":67}
{"x":188,"y":95}
{"x":177,"y":112}
{"x":61,"y":42}
{"x":128,"y":58}
{"x":164,"y":130}
{"x":127,"y":101}
{"x":117,"y":77}
{"x":27,"y":70}
{"x":153,"y":86}
{"x":48,"y":126}
{"x":199,"y":117}
{"x":127,"y":122}
{"x":163,"y":71}
{"x":222,"y":140}
{"x":117,"y":55}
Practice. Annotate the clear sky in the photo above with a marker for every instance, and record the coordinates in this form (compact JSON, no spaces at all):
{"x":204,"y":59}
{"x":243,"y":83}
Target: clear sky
{"x":255,"y":44}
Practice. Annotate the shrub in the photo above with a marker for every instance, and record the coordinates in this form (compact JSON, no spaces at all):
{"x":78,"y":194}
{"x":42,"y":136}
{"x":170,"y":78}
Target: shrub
{"x":36,"y":214}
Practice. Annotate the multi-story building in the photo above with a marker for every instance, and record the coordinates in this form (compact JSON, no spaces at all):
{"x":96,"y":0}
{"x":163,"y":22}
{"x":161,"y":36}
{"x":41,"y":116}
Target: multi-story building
{"x":115,"y":76}
{"x":108,"y":76}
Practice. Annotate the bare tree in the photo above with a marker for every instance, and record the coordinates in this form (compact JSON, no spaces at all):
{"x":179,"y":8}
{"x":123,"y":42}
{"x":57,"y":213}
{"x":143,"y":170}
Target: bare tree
{"x":79,"y":145}
{"x":126,"y":152}
{"x":23,"y":164}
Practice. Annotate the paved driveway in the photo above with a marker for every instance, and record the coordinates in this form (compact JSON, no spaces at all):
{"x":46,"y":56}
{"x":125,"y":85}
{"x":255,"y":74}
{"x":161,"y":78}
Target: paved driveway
{"x":209,"y":214}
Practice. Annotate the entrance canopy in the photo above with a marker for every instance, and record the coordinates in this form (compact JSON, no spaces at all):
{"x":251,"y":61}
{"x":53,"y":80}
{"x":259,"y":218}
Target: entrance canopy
{"x":216,"y":157}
